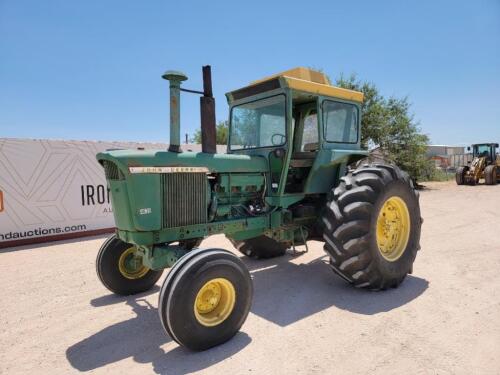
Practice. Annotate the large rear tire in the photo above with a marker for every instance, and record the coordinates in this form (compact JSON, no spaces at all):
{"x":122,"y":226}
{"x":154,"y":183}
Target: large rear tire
{"x":372,"y":227}
{"x":460,"y":175}
{"x":490,"y":175}
{"x":120,"y":269}
{"x":205,"y":298}
{"x":260,"y":247}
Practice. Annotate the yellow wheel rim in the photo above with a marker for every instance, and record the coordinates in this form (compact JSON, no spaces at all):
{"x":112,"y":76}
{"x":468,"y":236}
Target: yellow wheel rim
{"x":393,"y":228}
{"x":130,"y":265}
{"x":214,"y":302}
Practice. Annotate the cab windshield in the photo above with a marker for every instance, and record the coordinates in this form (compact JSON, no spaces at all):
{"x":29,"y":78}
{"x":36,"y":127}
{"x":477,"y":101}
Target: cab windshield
{"x":481,"y":150}
{"x":261,"y":123}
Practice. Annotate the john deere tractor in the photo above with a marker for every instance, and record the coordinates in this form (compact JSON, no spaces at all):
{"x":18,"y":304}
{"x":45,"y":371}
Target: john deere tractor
{"x":293,"y":172}
{"x":485,"y":164}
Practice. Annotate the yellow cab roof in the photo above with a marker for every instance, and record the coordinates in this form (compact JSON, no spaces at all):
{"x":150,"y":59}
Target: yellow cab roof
{"x":312,"y":81}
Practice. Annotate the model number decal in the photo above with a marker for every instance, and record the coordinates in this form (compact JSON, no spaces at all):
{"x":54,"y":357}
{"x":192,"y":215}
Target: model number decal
{"x":144,"y":211}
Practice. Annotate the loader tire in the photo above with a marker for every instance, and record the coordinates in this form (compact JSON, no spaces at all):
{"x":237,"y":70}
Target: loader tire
{"x":116,"y":273}
{"x":261,"y":247}
{"x":372,"y":226}
{"x":460,"y":175}
{"x":490,"y":175}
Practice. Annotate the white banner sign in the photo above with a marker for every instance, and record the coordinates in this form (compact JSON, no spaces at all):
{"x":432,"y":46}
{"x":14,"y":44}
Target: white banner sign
{"x":54,"y":189}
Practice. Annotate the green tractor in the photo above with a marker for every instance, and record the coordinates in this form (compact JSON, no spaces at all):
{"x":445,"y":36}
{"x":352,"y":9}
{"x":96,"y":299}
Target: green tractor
{"x":293,"y":172}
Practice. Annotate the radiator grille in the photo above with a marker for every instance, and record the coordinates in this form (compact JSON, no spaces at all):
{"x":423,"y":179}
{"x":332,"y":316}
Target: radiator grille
{"x":111,"y":171}
{"x":184,"y":198}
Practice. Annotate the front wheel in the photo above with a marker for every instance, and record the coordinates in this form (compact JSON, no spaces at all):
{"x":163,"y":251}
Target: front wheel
{"x":205,"y":298}
{"x":120,"y":269}
{"x":372,"y":227}
{"x":460,"y":175}
{"x":490,"y":175}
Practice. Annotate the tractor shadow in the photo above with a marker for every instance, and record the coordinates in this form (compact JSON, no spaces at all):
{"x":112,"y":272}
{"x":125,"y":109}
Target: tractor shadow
{"x":141,"y":338}
{"x":134,"y":337}
{"x":285,"y":292}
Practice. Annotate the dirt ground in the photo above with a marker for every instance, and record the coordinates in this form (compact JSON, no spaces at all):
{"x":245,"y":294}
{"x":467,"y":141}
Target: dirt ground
{"x":57,"y":318}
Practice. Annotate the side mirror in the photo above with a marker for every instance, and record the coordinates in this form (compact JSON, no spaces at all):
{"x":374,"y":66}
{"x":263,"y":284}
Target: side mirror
{"x":496,"y":145}
{"x":468,"y":148}
{"x":278,"y":139}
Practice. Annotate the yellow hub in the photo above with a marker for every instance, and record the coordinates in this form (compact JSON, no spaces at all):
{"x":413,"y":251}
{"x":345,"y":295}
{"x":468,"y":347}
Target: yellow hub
{"x":214,"y":302}
{"x":130,"y":265}
{"x":393,"y":228}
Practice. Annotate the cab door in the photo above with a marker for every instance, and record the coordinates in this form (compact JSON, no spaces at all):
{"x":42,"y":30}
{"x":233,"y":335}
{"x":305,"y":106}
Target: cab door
{"x":305,"y":146}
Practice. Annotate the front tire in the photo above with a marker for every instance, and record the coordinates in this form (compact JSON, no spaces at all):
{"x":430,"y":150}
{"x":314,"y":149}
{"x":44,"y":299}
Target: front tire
{"x":460,"y":175}
{"x":490,"y":175}
{"x":205,"y":298}
{"x":121,"y":270}
{"x":372,"y":227}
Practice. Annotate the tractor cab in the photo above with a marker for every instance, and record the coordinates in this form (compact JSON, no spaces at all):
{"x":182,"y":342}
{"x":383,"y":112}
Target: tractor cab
{"x":301,"y":124}
{"x":486,"y":150}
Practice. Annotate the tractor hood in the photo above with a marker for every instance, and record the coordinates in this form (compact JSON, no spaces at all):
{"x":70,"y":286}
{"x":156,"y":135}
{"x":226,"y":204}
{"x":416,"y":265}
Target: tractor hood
{"x":154,"y":189}
{"x":234,"y":163}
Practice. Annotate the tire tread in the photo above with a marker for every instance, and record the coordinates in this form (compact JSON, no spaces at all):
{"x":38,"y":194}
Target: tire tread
{"x":346,"y":224}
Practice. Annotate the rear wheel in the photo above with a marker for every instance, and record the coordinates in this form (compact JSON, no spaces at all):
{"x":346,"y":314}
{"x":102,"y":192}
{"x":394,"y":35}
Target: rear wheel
{"x":490,"y":175}
{"x":260,"y":247}
{"x":460,"y":175}
{"x":120,"y":268}
{"x":205,"y":298}
{"x":372,"y":227}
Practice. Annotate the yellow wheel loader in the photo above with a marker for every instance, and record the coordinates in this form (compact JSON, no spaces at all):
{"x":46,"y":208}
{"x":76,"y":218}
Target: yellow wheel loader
{"x":485,"y":164}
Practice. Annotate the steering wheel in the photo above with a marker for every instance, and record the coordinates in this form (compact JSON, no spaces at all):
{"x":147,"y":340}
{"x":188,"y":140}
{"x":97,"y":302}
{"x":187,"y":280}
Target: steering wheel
{"x":281,"y":139}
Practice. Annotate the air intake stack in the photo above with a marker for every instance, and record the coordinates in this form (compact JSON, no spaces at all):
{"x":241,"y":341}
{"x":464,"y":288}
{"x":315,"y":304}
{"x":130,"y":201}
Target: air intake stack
{"x":175,"y":78}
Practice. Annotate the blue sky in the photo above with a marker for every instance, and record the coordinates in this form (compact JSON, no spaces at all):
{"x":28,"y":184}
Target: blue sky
{"x":91,"y":69}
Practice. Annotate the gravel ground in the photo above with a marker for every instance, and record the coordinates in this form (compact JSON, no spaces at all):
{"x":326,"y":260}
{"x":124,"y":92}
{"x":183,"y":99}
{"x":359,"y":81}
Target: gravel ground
{"x":444,"y":319}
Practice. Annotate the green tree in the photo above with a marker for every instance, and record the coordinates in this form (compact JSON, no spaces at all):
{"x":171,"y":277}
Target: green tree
{"x":221,"y":129}
{"x":389,"y":124}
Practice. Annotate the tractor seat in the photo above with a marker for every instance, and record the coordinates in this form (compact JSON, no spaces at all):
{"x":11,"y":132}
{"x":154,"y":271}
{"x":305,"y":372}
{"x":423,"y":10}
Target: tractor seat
{"x":304,"y":155}
{"x":309,"y":151}
{"x":304,"y":159}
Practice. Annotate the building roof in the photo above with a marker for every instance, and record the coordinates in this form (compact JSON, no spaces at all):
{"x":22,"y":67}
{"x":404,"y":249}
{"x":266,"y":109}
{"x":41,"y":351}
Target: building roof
{"x":450,"y":146}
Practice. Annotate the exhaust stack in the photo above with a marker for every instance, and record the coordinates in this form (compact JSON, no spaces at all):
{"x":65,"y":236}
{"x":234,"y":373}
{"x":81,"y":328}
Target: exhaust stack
{"x":207,"y":114}
{"x":175,"y":78}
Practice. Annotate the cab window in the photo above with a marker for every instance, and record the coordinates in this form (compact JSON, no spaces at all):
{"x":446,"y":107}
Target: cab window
{"x":310,"y":133}
{"x":340,"y":122}
{"x":261,"y":123}
{"x":482,"y":150}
